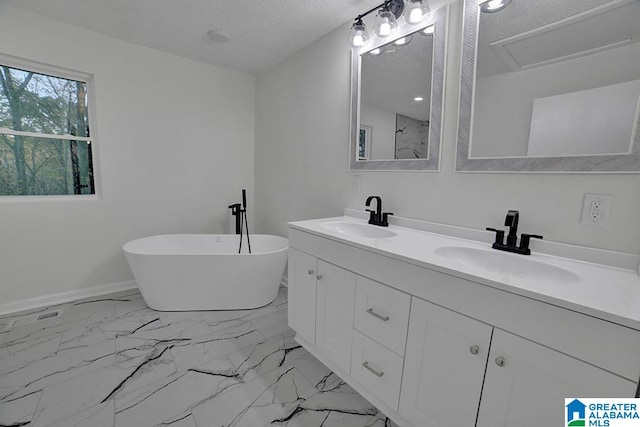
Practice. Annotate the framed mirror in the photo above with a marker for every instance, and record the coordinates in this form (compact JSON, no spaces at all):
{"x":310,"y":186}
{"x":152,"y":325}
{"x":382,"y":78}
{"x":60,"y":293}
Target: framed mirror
{"x":397,"y":88}
{"x":550,"y":86}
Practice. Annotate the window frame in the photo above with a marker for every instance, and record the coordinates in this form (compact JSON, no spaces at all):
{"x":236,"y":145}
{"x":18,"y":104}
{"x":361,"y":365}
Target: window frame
{"x":69,"y":74}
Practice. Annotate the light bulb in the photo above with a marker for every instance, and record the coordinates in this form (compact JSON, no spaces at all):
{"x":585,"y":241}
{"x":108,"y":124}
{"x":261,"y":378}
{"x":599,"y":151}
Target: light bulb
{"x":385,"y":24}
{"x":385,"y":29}
{"x":415,"y":15}
{"x":358,"y":35}
{"x":415,"y":11}
{"x":377,"y":51}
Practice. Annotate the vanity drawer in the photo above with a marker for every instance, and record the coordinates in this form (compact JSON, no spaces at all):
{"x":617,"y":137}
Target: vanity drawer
{"x":382,"y":313}
{"x":377,"y":368}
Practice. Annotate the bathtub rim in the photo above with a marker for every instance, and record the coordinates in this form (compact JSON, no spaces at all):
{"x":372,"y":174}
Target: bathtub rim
{"x":127,"y":250}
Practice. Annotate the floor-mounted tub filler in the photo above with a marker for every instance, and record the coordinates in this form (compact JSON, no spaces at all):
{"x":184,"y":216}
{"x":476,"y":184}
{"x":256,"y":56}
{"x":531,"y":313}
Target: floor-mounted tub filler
{"x":183,"y":272}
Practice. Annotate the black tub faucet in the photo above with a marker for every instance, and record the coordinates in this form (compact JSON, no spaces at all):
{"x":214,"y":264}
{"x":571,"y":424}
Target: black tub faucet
{"x":511,"y":221}
{"x":377,"y":217}
{"x":236,"y":211}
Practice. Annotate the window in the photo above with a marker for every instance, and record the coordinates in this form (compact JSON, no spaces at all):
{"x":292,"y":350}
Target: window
{"x":45,"y":139}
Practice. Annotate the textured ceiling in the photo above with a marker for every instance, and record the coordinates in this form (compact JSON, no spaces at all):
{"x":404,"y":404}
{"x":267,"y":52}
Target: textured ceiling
{"x":261,"y":32}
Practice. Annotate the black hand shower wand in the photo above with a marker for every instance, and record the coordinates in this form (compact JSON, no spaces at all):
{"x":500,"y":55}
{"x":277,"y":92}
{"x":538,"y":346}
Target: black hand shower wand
{"x":243,"y":221}
{"x":246,"y":221}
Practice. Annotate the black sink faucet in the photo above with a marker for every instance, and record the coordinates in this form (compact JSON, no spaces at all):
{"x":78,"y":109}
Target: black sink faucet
{"x":377,"y":217}
{"x":511,"y":221}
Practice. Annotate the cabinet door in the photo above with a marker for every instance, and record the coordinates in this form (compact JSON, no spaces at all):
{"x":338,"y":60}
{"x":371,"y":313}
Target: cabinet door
{"x":302,"y":294}
{"x":336,"y":297}
{"x":444,"y":367}
{"x":526,"y":383}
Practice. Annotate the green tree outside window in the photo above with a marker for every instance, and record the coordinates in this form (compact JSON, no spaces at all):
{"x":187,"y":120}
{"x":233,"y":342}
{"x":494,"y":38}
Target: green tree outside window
{"x":45,"y":145}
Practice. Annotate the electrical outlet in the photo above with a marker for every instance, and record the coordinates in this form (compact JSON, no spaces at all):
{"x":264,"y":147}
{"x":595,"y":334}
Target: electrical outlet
{"x":596,"y":208}
{"x":595,"y":213}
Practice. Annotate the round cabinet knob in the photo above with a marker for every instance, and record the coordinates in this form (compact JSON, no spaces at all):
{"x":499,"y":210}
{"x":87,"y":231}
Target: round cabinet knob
{"x":500,"y":361}
{"x":319,"y":277}
{"x":474,"y":349}
{"x":310,"y":272}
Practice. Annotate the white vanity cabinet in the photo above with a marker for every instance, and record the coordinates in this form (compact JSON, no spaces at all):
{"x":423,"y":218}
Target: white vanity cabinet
{"x":334,"y":319}
{"x":302,"y":295}
{"x":444,"y":366}
{"x":525,"y":381}
{"x":380,"y":315}
{"x":321,"y":304}
{"x":430,"y":349}
{"x":448,"y":359}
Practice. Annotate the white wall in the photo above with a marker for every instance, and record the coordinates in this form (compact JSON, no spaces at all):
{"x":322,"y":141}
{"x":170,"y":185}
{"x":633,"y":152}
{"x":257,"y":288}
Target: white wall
{"x":511,"y":96}
{"x":302,"y":131}
{"x":176,"y":142}
{"x":559,"y":127}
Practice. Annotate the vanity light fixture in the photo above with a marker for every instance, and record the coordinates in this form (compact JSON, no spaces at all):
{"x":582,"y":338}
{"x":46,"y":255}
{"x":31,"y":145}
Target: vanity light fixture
{"x":492,"y":6}
{"x":416,"y":11}
{"x":403,"y":41}
{"x":377,"y":51}
{"x":384,"y":25}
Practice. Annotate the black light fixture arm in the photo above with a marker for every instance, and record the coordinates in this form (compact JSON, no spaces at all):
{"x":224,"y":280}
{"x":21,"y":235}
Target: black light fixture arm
{"x":380,"y":6}
{"x":387,"y":4}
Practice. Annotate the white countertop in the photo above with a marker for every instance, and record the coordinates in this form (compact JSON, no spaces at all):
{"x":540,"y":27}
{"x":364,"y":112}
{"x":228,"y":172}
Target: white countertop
{"x":602,"y":291}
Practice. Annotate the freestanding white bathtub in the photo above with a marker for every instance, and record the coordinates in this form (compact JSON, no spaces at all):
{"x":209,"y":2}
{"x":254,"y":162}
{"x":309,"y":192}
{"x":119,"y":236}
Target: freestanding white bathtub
{"x":184,"y":272}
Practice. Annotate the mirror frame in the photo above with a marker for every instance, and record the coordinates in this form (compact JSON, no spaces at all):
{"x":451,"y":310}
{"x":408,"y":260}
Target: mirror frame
{"x":605,"y":163}
{"x":438,"y":18}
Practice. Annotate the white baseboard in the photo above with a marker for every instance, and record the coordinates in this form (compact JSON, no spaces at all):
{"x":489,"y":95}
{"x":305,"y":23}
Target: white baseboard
{"x":63,"y":297}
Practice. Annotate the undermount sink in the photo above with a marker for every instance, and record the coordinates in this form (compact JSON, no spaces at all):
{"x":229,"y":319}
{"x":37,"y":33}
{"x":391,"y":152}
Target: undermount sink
{"x":358,"y":230}
{"x":509,"y":264}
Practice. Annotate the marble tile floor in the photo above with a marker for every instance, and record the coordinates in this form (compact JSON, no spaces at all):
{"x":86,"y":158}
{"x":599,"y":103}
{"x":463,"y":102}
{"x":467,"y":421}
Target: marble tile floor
{"x":112,"y":361}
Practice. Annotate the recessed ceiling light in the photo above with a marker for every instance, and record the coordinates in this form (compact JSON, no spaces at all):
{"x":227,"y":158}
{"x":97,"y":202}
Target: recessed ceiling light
{"x":418,"y":99}
{"x":494,"y":5}
{"x":218,"y":36}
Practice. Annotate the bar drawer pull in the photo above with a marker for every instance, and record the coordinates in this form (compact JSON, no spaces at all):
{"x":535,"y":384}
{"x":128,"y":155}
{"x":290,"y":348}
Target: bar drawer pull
{"x":370,"y":369}
{"x":379,"y":316}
